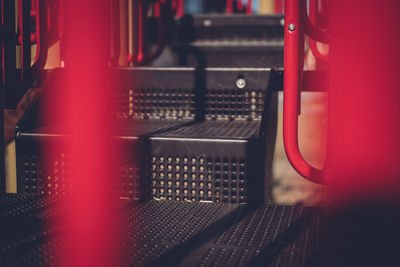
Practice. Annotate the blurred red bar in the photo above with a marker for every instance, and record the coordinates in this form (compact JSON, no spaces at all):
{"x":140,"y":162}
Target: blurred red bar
{"x":279,"y":6}
{"x":140,"y":52}
{"x":229,"y":6}
{"x":364,"y":96}
{"x":181,"y":9}
{"x":239,"y":5}
{"x":85,"y":100}
{"x":249,"y":8}
{"x":313,"y":14}
{"x":157,"y":10}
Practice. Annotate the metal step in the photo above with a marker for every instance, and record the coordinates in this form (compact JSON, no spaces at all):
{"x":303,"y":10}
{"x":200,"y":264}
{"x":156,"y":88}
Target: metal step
{"x":176,"y":233}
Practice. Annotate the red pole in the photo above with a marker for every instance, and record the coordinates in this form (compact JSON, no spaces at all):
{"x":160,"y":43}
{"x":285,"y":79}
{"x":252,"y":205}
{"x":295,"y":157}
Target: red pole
{"x":293,"y":66}
{"x":364,"y":110}
{"x":140,"y":55}
{"x":239,"y":5}
{"x":279,"y":6}
{"x":84,"y":98}
{"x":181,"y":9}
{"x":249,"y":8}
{"x":313,"y":44}
{"x":229,"y":6}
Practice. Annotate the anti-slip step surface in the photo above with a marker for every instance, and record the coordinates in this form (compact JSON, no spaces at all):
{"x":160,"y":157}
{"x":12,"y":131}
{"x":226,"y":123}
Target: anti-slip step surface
{"x":172,"y":233}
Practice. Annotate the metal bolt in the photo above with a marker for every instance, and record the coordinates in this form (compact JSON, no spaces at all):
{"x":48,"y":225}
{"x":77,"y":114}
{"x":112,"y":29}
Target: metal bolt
{"x":292,"y":27}
{"x":207,"y":23}
{"x":241,"y":83}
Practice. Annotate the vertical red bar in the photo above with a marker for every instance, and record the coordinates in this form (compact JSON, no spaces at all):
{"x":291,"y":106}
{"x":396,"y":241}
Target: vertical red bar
{"x":239,"y":5}
{"x":84,"y":95}
{"x":279,"y":6}
{"x":156,"y":10}
{"x":140,"y":55}
{"x":229,"y":6}
{"x":313,"y":14}
{"x":181,"y":9}
{"x":249,"y":8}
{"x":364,"y":96}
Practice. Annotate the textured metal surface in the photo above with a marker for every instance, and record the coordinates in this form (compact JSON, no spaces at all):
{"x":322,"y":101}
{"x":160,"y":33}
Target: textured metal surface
{"x":183,"y":93}
{"x":185,"y":134}
{"x":238,"y":27}
{"x":232,"y":41}
{"x":171,"y":233}
{"x":221,"y":129}
{"x":200,"y":179}
{"x":169,"y":168}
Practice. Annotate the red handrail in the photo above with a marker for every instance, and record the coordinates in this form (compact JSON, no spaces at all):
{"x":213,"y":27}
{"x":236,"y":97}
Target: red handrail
{"x":312,"y":43}
{"x":166,"y":14}
{"x":41,"y":21}
{"x":279,"y":6}
{"x":293,"y":67}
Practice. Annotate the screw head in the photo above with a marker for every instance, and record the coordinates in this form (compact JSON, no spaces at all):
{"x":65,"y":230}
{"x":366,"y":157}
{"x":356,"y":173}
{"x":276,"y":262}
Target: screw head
{"x":240,"y":83}
{"x":207,"y":23}
{"x":292,"y":27}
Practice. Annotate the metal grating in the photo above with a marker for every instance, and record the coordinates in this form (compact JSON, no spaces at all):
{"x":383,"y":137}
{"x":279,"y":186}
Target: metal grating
{"x":231,"y":103}
{"x":220,"y":111}
{"x":162,"y":103}
{"x":135,"y":178}
{"x":164,"y":177}
{"x":28,"y":205}
{"x":172,"y":233}
{"x":238,"y":27}
{"x":234,"y":103}
{"x":239,"y":33}
{"x":53,"y":181}
{"x":199,"y":179}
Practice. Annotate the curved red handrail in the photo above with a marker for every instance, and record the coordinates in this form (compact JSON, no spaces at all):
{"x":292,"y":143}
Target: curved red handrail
{"x":312,"y":43}
{"x":293,"y":52}
{"x":165,"y":14}
{"x":309,"y":28}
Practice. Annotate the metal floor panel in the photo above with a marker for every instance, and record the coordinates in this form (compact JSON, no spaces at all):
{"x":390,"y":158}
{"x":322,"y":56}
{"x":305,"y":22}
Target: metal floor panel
{"x":176,"y":233}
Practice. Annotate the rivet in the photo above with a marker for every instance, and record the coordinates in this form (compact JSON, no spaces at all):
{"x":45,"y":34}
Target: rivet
{"x":240,"y":83}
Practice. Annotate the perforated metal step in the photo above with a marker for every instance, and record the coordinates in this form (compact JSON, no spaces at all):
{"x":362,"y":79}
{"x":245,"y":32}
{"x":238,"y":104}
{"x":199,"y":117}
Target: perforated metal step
{"x":186,"y":134}
{"x":239,"y":27}
{"x":171,"y":233}
{"x":231,"y":41}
